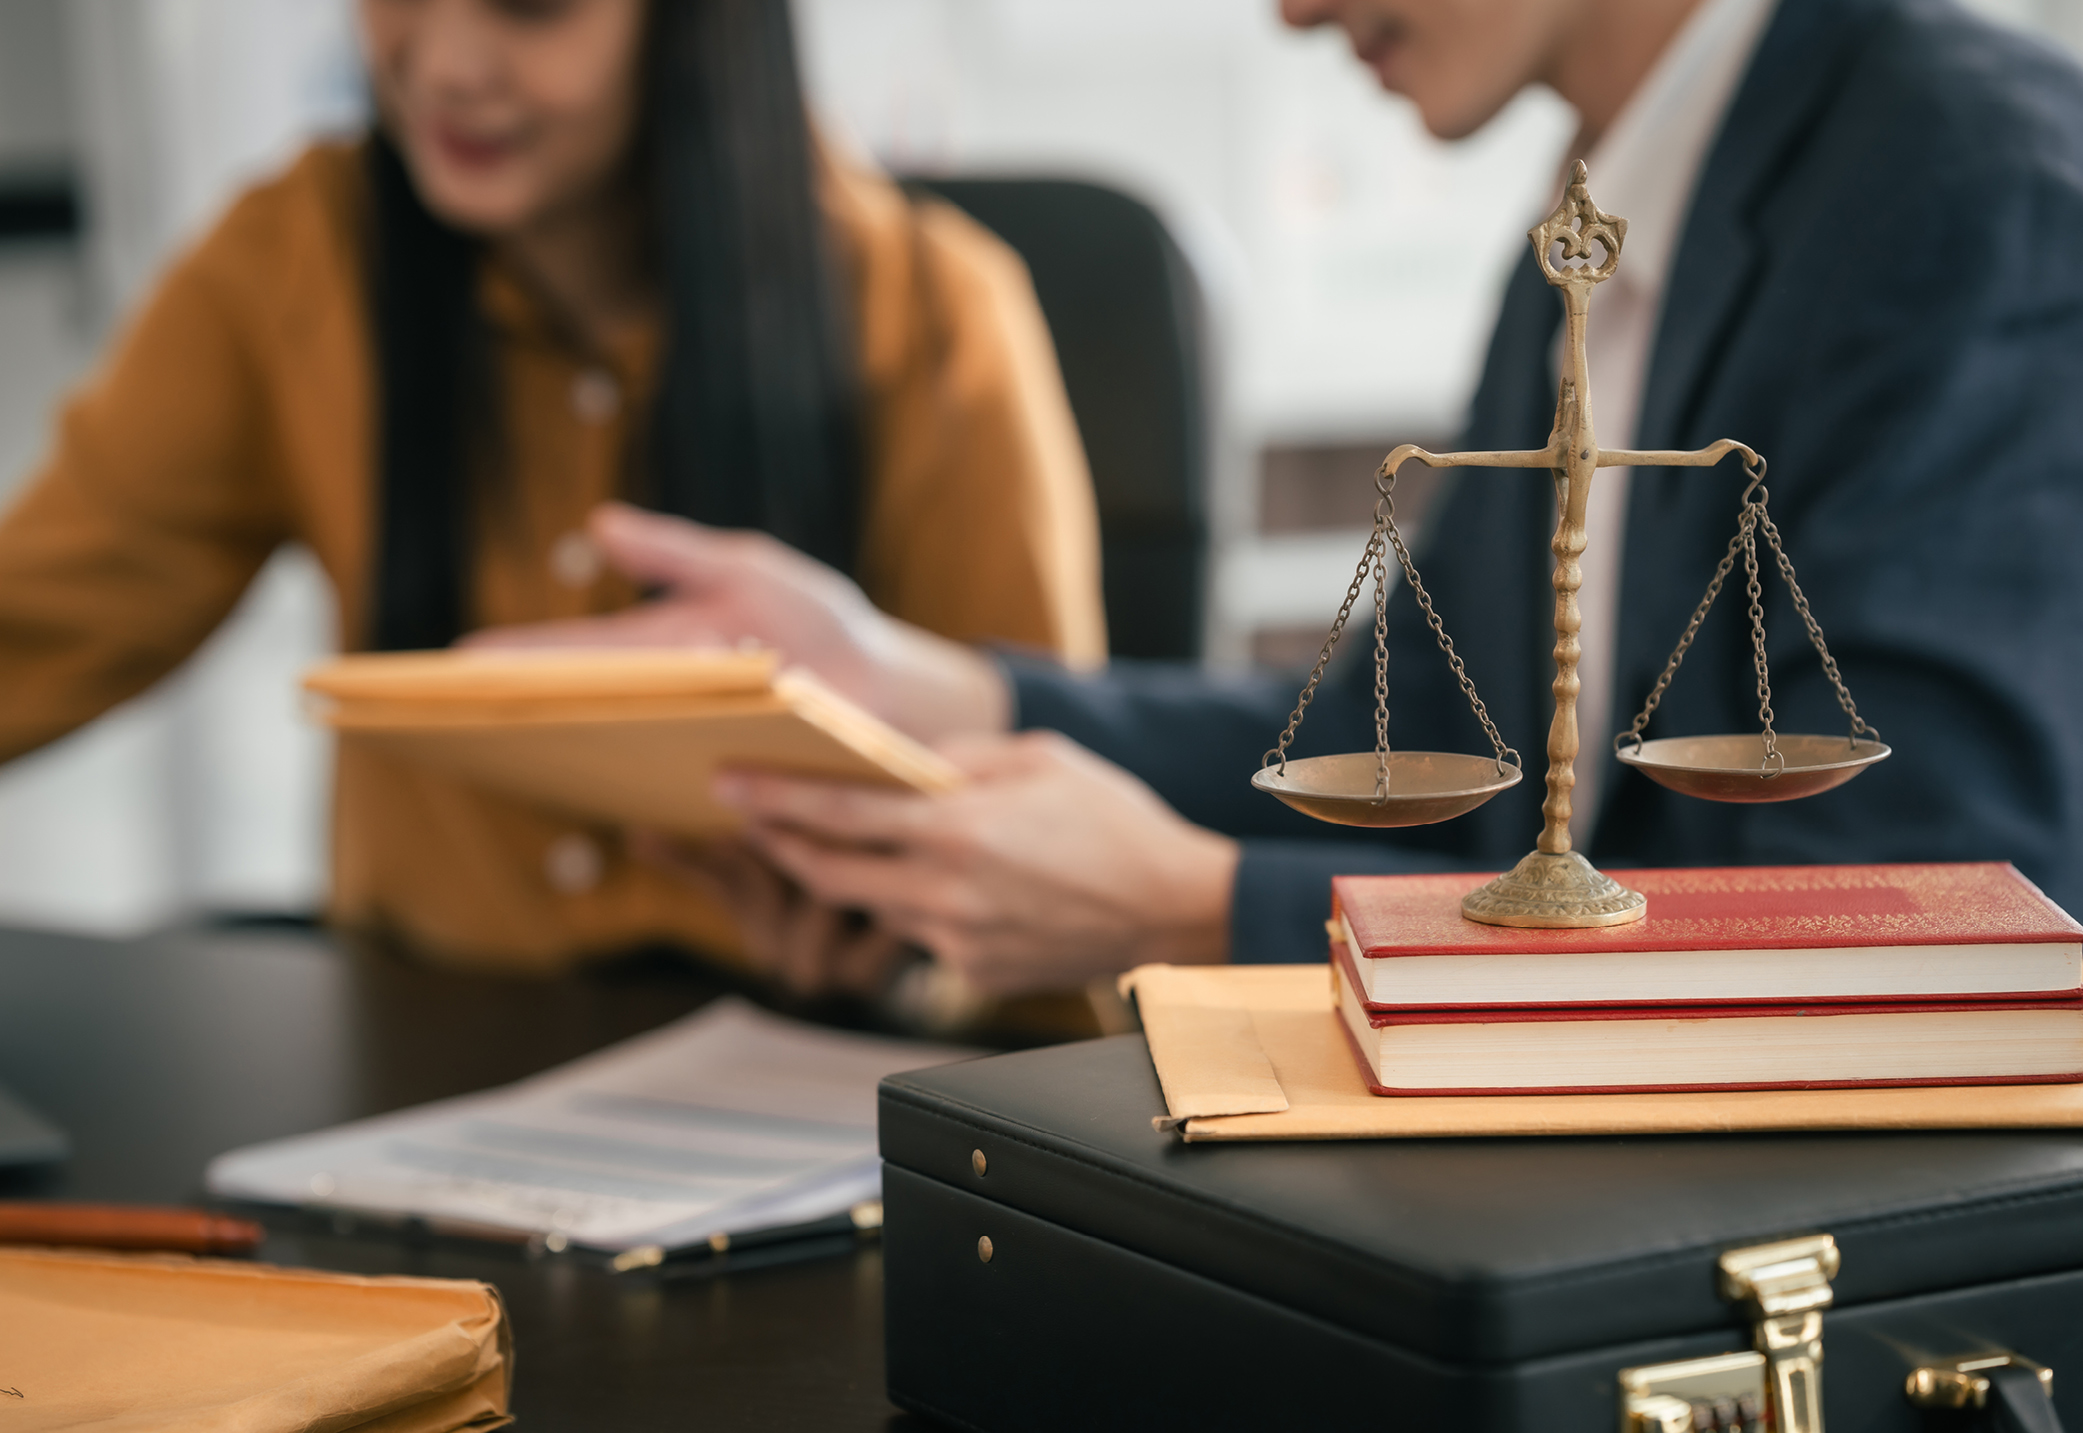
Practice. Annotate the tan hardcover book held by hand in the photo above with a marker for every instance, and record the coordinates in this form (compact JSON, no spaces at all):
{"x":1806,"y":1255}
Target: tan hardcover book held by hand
{"x":631,"y":737}
{"x":123,"y":1342}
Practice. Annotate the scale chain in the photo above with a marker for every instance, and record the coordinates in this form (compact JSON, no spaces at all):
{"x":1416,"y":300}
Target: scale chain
{"x":1374,"y":561}
{"x":1815,"y":630}
{"x":1384,"y":525}
{"x":1692,"y":630}
{"x":1749,"y":534}
{"x":1446,"y":645}
{"x":1755,"y":518}
{"x":1323,"y":657}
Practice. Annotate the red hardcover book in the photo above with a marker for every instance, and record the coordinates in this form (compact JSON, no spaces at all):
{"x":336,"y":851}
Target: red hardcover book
{"x":1766,"y":934}
{"x":1673,"y":1049}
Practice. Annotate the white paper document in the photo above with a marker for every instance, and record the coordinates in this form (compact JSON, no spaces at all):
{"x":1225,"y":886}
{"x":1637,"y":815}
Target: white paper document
{"x":728,"y":1121}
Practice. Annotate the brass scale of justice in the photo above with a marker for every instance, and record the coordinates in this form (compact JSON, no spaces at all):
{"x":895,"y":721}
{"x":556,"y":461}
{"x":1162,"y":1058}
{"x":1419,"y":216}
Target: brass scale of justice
{"x":1554,"y":886}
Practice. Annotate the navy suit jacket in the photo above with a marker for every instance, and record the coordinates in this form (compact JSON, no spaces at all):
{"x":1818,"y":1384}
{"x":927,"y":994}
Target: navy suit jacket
{"x":1880,"y":288}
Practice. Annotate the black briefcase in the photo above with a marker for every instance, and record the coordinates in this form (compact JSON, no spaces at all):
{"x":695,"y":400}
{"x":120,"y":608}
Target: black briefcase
{"x":1054,"y":1262}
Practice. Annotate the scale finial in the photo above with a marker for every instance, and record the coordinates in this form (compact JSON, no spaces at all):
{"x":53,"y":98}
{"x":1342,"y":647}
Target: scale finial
{"x":1576,"y":225}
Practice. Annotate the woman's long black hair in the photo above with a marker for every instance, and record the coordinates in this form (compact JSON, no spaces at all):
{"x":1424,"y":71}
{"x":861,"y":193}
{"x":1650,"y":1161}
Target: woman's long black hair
{"x":754,"y":422}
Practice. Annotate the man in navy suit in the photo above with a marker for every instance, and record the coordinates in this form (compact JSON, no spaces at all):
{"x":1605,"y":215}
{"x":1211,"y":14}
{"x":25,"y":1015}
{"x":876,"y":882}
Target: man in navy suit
{"x":1857,"y":247}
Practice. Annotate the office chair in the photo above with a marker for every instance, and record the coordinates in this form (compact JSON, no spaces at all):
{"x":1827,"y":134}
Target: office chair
{"x":1125,"y":310}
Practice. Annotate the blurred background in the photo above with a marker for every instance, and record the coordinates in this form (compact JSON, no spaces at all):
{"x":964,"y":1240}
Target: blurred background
{"x":1349,"y":264}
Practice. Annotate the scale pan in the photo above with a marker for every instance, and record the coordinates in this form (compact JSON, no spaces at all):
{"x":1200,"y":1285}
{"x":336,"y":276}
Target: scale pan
{"x":1728,"y":768}
{"x":1424,"y":786}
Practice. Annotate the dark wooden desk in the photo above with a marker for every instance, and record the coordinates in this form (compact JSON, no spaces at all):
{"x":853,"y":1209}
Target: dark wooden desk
{"x":155,"y":1055}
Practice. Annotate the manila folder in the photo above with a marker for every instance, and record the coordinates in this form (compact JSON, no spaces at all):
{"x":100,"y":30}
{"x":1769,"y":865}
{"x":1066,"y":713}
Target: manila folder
{"x":624,"y":737}
{"x":121,"y":1342}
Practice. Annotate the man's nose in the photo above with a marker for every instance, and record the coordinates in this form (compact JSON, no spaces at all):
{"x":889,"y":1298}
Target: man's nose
{"x":1304,"y":13}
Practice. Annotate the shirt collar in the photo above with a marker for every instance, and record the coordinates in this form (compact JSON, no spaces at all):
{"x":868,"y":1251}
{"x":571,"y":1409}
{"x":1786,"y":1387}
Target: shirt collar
{"x":1648,"y":163}
{"x":521,"y":315}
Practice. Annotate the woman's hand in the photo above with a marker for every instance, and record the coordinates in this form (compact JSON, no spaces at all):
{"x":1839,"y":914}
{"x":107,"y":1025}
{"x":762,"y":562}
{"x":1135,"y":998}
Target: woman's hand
{"x":1049,"y":868}
{"x":717,"y":589}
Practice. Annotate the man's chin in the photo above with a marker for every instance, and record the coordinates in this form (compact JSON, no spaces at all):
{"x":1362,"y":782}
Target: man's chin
{"x":1393,"y":71}
{"x":1450,"y":131}
{"x":1445,"y":121}
{"x":1396,"y":70}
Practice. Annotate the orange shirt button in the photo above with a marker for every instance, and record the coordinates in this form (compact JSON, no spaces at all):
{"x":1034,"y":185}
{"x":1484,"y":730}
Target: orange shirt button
{"x":574,"y":560}
{"x":595,"y":396}
{"x":574,"y":864}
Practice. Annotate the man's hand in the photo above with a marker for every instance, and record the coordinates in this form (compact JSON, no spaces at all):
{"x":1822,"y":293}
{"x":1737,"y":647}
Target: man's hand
{"x":812,"y":948}
{"x":1049,"y":868}
{"x":717,"y":589}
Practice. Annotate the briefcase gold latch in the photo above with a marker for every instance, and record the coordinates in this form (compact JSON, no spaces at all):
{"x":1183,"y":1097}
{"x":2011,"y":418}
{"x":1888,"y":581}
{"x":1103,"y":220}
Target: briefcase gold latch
{"x":1784,"y":1286}
{"x":1964,"y":1382}
{"x":1725,"y":1392}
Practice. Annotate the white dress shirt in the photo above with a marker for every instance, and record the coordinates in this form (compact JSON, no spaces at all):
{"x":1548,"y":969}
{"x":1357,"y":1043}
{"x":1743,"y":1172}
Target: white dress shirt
{"x":1644,"y":169}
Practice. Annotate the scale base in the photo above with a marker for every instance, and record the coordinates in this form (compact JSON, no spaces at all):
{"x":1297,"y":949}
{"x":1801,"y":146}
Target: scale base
{"x":1563,"y":892}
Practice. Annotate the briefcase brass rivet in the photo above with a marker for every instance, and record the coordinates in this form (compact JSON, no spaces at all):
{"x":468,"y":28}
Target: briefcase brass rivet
{"x":978,"y":1163}
{"x":983,"y":1248}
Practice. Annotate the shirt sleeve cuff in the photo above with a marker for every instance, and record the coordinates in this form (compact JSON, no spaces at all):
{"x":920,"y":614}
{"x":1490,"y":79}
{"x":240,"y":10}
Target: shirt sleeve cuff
{"x":1282,"y":896}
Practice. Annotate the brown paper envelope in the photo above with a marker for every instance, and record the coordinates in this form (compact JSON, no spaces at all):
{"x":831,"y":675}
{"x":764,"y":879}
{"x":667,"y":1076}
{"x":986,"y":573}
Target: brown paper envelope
{"x":1211,"y":1065}
{"x":119,"y":1342}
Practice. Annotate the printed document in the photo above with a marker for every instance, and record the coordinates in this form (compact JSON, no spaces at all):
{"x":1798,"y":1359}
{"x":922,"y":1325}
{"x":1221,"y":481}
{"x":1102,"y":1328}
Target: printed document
{"x":728,"y":1121}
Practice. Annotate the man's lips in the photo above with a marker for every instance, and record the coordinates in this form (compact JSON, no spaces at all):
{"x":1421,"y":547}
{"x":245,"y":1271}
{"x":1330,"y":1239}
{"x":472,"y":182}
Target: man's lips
{"x":1378,"y":48}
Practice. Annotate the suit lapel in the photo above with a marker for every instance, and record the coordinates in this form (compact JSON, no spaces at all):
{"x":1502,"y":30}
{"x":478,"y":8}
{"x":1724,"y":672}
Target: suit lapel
{"x":1514,"y":405}
{"x":1720,"y":256}
{"x":1789,"y":82}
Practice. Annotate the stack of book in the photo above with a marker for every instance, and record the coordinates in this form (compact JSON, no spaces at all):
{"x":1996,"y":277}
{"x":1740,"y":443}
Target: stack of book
{"x":1754,"y":978}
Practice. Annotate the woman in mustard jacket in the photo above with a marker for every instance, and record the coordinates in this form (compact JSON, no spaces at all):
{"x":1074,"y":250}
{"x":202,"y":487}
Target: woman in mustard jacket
{"x":591,"y":251}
